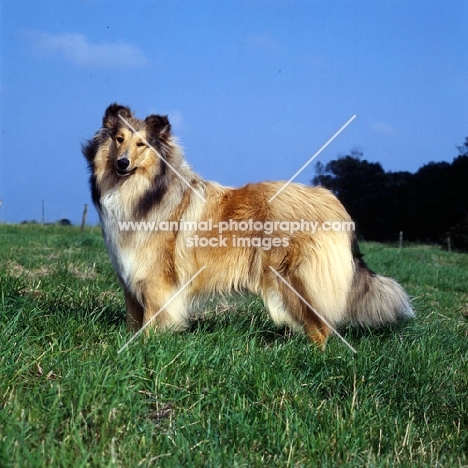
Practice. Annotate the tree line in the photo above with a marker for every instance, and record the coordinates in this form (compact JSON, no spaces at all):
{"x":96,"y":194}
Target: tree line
{"x":427,"y":206}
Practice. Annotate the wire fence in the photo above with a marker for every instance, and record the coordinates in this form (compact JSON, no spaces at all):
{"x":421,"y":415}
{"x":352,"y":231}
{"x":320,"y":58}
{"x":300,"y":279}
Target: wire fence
{"x":47,"y":213}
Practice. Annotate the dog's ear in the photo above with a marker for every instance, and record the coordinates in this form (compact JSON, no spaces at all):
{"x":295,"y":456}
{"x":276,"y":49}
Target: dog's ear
{"x":158,"y":125}
{"x":111,"y":116}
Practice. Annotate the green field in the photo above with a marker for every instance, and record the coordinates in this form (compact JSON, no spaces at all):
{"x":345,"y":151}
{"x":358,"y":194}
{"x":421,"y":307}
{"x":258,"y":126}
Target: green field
{"x":233,"y":391}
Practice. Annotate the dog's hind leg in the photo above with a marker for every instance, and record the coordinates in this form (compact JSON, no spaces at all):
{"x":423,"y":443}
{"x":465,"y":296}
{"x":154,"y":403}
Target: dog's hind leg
{"x":304,"y":309}
{"x":279,"y":313}
{"x":316,"y":329}
{"x":289,"y":304}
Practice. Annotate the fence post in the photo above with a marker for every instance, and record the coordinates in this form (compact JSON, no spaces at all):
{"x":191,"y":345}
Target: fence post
{"x":400,"y":240}
{"x":83,"y":219}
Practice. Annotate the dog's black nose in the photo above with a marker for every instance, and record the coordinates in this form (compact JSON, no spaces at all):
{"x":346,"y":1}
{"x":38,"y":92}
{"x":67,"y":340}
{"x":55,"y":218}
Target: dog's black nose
{"x":123,"y":163}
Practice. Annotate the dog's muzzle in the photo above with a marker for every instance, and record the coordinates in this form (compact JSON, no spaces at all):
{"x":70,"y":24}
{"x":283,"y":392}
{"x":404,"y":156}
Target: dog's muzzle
{"x":122,"y":167}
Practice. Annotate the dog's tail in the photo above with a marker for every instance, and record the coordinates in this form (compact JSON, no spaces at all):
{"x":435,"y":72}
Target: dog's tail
{"x":375,"y":300}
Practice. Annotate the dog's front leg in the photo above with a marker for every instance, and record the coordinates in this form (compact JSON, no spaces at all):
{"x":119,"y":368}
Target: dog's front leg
{"x":165,"y":307}
{"x":134,"y":312}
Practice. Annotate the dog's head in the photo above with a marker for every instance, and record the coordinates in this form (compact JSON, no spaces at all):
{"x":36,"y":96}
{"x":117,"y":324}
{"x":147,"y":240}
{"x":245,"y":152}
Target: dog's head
{"x":125,"y":147}
{"x":135,"y":144}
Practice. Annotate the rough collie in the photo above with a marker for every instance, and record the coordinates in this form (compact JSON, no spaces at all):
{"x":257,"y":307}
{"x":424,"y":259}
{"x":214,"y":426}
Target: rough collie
{"x":174,"y":238}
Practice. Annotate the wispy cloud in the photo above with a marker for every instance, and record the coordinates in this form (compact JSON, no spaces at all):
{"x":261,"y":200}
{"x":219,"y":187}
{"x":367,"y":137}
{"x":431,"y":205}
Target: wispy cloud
{"x":383,"y":128}
{"x":266,"y":42}
{"x":177,"y":120}
{"x":80,"y":51}
{"x":175,"y":116}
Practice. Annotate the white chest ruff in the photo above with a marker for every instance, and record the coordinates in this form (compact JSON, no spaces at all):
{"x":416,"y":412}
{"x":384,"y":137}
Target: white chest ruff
{"x":111,"y":214}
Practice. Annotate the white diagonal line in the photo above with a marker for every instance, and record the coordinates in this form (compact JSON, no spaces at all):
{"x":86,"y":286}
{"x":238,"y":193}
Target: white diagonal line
{"x":305,"y":302}
{"x":157,"y":154}
{"x":312,"y":158}
{"x":160,"y":310}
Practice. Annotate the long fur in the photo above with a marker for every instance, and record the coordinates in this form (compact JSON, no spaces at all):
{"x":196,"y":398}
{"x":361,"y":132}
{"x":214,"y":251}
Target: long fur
{"x":142,"y":175}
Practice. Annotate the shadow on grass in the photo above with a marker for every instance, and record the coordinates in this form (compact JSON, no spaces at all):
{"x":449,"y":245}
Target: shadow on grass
{"x":249,"y":327}
{"x":383,"y":333}
{"x":252,"y":319}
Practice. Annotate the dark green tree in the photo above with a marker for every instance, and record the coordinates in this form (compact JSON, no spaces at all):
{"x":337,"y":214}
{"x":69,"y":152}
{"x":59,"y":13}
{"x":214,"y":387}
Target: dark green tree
{"x":366,"y":191}
{"x":427,"y":206}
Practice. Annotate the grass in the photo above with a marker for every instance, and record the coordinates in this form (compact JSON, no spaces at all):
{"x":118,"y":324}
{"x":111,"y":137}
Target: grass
{"x":233,"y":390}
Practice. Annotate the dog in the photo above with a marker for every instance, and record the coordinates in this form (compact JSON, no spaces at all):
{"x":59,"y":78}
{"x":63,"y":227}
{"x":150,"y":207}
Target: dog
{"x":255,"y":238}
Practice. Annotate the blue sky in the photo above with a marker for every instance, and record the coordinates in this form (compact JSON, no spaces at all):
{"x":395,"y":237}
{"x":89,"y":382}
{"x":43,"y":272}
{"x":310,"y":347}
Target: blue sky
{"x":253,"y":88}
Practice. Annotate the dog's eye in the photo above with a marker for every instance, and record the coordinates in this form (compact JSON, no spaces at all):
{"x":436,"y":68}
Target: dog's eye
{"x":141,"y":143}
{"x":119,"y":139}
